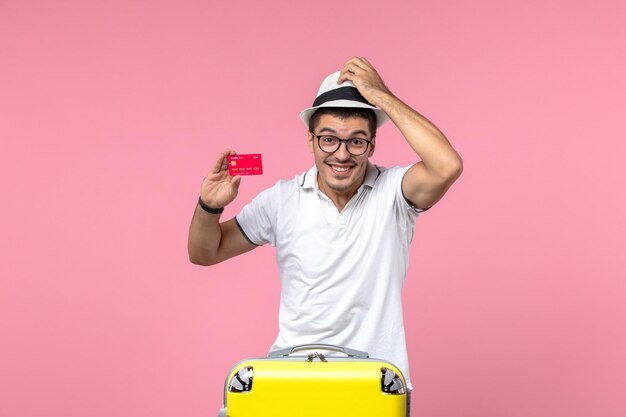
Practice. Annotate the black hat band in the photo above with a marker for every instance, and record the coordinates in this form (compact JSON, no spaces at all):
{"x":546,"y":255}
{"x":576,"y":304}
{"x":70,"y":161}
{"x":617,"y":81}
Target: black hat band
{"x":341,"y":93}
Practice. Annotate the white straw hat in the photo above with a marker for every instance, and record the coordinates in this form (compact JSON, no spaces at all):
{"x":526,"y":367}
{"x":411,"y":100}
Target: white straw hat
{"x":345,"y":94}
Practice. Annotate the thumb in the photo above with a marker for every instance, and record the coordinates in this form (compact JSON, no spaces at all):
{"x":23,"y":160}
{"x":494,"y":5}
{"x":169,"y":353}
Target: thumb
{"x":236,"y":181}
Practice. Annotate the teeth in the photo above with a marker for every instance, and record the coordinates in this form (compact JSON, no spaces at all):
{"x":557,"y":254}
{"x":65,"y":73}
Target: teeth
{"x":340,"y":169}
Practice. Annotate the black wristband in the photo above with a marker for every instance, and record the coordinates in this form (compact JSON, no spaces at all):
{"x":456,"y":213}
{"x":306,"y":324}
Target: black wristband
{"x":209,"y":209}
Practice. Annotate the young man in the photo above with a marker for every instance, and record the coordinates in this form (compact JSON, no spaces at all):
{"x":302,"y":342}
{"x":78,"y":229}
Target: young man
{"x":342,"y":229}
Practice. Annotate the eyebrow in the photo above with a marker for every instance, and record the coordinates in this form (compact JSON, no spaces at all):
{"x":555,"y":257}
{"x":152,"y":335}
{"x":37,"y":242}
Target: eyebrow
{"x":352,"y":134}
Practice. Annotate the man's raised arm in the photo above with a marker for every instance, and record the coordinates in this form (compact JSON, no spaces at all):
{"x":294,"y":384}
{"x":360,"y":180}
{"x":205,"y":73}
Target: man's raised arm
{"x":427,"y":181}
{"x":210,"y":241}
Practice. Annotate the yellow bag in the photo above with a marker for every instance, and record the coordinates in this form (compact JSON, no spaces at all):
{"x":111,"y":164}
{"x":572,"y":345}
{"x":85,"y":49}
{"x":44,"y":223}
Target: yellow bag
{"x":316,"y":384}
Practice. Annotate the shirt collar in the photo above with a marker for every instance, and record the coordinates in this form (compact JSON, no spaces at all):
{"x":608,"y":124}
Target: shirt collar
{"x":310,"y":177}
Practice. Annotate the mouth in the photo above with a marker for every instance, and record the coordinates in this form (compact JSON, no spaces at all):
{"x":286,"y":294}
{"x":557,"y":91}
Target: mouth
{"x":341,"y":170}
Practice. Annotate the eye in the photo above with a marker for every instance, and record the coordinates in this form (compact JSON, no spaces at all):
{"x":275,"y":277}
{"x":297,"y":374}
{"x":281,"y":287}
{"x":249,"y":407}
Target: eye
{"x":357,"y":142}
{"x":328,"y":139}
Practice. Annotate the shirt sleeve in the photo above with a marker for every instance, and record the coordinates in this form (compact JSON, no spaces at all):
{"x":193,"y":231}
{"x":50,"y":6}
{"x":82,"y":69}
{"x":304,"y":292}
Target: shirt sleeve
{"x":396,"y":176}
{"x":257,"y":220}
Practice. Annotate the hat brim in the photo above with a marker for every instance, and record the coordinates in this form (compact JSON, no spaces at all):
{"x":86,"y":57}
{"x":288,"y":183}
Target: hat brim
{"x":381,"y":116}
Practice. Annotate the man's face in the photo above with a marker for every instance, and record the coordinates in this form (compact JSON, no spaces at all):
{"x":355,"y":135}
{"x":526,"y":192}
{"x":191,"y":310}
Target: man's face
{"x":340,"y":172}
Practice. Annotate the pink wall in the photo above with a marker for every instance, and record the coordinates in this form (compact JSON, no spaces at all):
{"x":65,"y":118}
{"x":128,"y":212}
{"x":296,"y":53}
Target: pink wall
{"x":111,"y":113}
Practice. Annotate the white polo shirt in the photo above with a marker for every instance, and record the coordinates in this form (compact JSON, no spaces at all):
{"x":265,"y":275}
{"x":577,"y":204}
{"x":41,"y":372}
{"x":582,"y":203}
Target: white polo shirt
{"x":341,"y":272}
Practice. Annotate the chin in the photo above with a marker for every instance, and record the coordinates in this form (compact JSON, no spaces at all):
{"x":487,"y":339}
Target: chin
{"x":342,"y":185}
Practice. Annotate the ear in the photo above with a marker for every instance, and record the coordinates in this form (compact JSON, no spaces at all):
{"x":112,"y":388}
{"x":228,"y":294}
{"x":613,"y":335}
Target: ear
{"x":311,"y":141}
{"x":372,"y":147}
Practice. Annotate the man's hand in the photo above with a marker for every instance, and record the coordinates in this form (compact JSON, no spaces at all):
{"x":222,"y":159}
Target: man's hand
{"x":365,"y":78}
{"x":219,"y":188}
{"x":210,"y":241}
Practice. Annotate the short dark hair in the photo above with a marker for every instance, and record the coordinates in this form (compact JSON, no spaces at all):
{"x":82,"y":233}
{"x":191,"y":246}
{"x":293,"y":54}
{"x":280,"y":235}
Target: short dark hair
{"x":344,"y":113}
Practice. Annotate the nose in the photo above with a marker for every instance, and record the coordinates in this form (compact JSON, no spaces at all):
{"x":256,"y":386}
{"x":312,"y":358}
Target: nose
{"x":342,"y":152}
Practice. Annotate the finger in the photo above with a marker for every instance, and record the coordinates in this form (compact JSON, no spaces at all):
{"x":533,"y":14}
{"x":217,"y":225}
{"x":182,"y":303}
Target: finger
{"x":360,"y":64}
{"x":346,"y":72}
{"x":351,"y":73}
{"x":219,"y":163}
{"x":224,"y":166}
{"x":355,"y":60}
{"x":366,"y":63}
{"x":350,"y":69}
{"x":236,"y":181}
{"x":344,"y":75}
{"x":234,"y":186}
{"x":355,"y":64}
{"x":227,"y":153}
{"x":354,"y":73}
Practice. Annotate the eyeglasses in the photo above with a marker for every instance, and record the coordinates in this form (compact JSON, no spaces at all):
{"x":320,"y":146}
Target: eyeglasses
{"x":330,"y":144}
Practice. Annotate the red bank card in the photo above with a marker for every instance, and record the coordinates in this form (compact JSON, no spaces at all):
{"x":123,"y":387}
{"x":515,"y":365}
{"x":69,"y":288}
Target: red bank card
{"x":245,"y":164}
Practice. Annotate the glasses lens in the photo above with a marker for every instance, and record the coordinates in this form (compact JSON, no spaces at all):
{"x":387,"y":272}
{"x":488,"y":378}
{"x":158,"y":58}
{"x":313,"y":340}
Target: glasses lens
{"x":329,"y":143}
{"x":356,"y":146}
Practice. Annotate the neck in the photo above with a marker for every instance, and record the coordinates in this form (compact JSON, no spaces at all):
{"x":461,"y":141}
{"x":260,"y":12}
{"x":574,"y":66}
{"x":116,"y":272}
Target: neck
{"x":339,"y":198}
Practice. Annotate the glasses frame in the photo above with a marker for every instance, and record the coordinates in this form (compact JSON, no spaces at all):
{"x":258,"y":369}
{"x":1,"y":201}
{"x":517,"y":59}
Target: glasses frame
{"x":346,"y":141}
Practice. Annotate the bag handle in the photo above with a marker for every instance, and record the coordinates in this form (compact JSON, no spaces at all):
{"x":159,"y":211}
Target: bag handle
{"x":352,"y":353}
